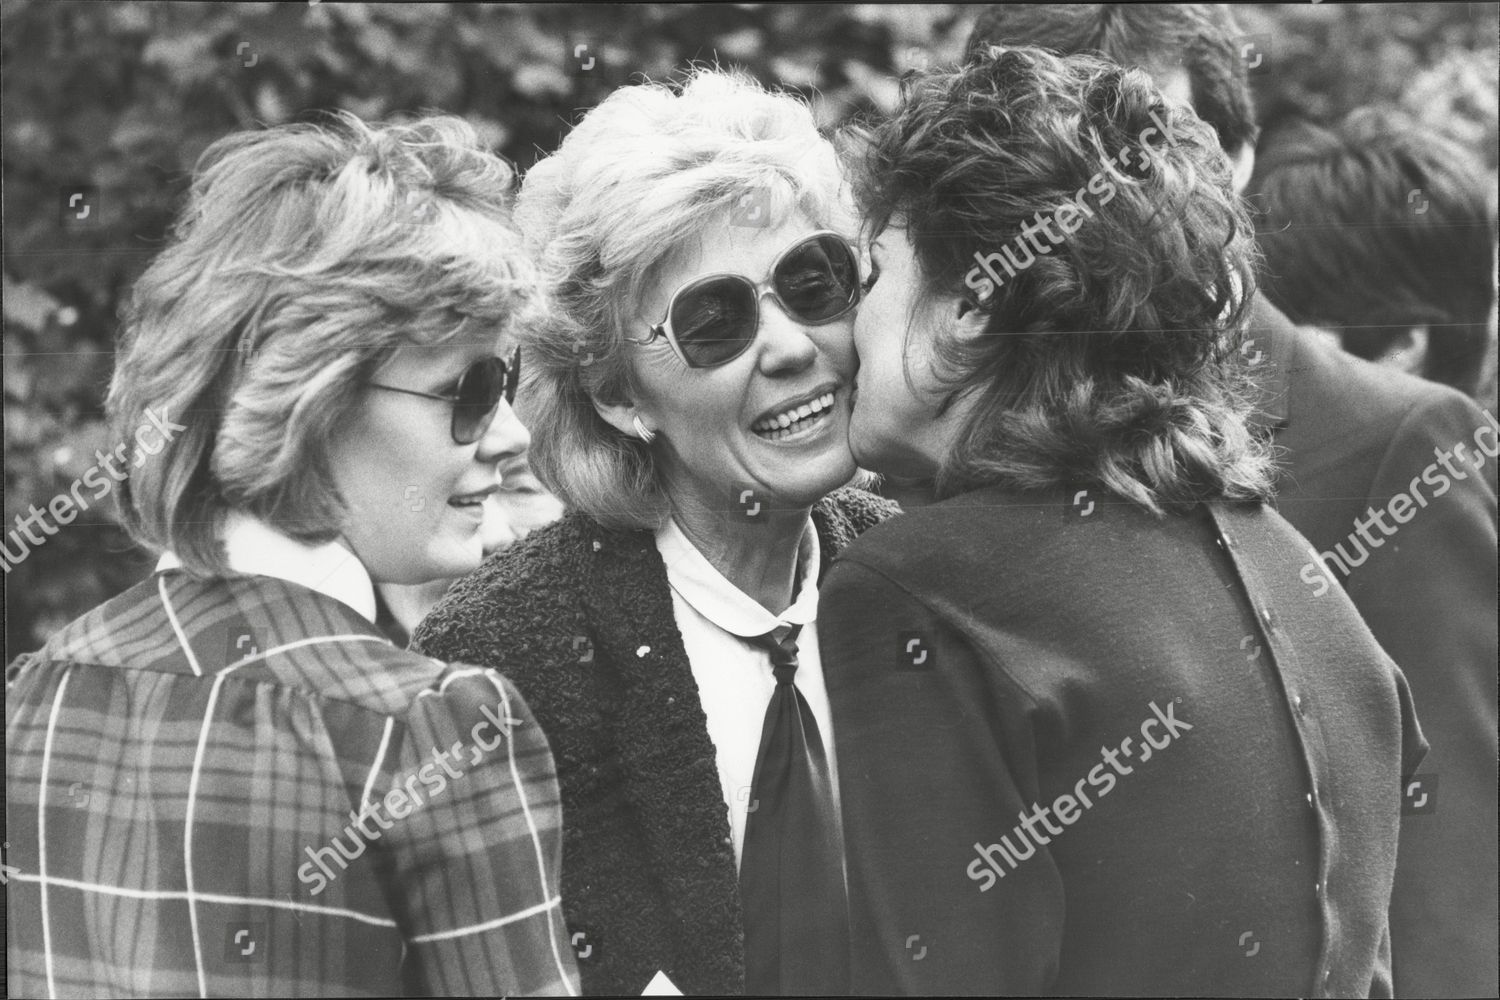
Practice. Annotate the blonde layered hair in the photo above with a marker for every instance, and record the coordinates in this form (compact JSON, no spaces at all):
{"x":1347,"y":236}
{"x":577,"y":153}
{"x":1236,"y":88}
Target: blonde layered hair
{"x":305,"y":257}
{"x":645,"y":173}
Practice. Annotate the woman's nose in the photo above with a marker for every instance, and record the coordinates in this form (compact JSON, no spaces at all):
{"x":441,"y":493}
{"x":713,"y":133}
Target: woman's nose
{"x":506,"y":437}
{"x":787,"y":342}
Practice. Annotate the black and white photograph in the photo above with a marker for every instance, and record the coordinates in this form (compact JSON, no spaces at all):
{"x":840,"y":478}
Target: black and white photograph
{"x":768,"y":499}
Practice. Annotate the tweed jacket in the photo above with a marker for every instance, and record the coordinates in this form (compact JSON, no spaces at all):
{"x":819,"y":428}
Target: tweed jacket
{"x":580,"y":618}
{"x":183,"y":763}
{"x":1087,"y":752}
{"x":1356,"y":435}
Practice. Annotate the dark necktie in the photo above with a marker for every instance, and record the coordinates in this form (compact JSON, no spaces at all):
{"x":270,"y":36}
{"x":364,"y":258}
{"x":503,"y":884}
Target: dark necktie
{"x":791,"y":865}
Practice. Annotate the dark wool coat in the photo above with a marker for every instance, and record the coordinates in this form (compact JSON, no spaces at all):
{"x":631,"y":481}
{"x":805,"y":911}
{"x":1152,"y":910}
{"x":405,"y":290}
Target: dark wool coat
{"x":1220,"y":752}
{"x":579,"y":617}
{"x":1357,"y":434}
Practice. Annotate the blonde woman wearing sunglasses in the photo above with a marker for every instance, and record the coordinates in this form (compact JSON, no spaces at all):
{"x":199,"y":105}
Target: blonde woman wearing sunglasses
{"x":226,"y":781}
{"x":691,"y":401}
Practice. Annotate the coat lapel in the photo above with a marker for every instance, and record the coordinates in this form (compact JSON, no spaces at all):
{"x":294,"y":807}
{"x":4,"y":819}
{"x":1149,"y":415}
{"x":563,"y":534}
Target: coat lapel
{"x":670,"y":766}
{"x":1269,"y":350}
{"x":672,"y":777}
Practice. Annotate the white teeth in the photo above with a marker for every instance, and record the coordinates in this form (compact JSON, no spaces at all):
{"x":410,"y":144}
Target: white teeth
{"x":783,"y":420}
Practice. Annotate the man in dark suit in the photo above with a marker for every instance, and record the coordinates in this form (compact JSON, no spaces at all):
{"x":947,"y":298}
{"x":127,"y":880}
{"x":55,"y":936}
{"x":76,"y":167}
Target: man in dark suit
{"x":1355,"y":439}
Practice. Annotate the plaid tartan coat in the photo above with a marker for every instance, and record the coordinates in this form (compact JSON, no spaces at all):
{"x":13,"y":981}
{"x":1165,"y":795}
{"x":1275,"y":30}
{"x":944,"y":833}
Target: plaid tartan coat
{"x":238,"y":787}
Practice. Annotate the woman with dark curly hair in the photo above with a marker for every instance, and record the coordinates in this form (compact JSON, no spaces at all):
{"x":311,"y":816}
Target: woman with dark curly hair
{"x":1096,"y":736}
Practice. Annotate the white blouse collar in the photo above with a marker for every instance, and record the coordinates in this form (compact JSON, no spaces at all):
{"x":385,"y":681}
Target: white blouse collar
{"x":256,"y":548}
{"x":696,"y":581}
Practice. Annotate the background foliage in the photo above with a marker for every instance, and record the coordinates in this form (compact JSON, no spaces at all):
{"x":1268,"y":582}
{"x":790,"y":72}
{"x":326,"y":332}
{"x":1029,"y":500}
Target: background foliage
{"x":125,"y":96}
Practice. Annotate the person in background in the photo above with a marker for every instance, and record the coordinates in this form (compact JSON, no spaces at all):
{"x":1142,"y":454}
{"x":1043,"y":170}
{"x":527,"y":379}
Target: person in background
{"x":1093,"y":729}
{"x":1381,"y":231}
{"x":1190,"y":50}
{"x":226,"y":781}
{"x":522,"y":503}
{"x":693,"y":374}
{"x":1354,"y":440}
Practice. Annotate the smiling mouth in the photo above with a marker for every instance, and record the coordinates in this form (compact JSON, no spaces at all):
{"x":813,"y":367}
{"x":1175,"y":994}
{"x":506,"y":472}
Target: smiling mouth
{"x":471,"y":501}
{"x":794,"y":421}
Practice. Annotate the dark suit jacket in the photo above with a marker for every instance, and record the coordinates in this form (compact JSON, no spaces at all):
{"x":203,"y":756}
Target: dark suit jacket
{"x":1355,"y":435}
{"x":981,"y":656}
{"x":581,"y":618}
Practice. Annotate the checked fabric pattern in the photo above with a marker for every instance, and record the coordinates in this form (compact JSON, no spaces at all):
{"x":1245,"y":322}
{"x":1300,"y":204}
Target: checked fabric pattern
{"x":175,"y":758}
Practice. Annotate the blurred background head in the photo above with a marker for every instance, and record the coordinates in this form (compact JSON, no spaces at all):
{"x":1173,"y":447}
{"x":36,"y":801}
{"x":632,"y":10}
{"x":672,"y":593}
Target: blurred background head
{"x":1383,"y":231}
{"x":1191,"y":50}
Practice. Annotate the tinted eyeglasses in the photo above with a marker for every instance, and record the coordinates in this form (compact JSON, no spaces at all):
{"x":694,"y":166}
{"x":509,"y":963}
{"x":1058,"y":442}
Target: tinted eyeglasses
{"x":713,"y":319}
{"x":480,"y":389}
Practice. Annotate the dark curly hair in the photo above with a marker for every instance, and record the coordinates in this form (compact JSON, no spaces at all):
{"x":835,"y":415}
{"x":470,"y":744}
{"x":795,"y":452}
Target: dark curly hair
{"x":1107,"y":357}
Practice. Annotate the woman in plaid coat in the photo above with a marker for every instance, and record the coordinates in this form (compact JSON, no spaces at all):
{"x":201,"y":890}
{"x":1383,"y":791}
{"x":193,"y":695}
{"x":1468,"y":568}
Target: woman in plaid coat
{"x":225,"y":781}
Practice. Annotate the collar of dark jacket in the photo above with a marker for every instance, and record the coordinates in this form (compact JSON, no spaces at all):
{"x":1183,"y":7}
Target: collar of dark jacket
{"x":1269,"y":349}
{"x":839,"y":518}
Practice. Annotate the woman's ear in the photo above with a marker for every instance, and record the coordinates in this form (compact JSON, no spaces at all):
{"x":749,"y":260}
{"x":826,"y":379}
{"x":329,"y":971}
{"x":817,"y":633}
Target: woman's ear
{"x":626,"y":415}
{"x":619,"y":415}
{"x":966,"y":319}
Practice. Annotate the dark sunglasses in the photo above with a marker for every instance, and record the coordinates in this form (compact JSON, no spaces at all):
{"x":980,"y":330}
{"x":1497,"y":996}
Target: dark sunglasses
{"x":480,"y":389}
{"x":713,"y":319}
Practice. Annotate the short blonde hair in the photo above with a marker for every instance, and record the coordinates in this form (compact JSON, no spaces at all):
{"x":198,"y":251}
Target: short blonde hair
{"x":307,"y":254}
{"x":652,"y":167}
